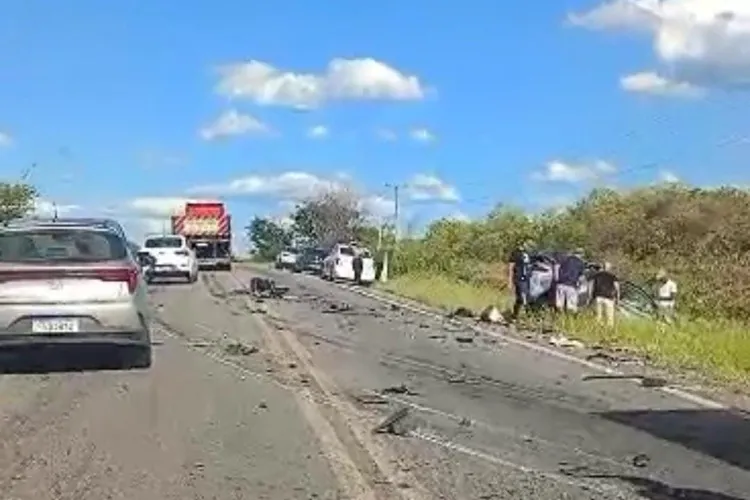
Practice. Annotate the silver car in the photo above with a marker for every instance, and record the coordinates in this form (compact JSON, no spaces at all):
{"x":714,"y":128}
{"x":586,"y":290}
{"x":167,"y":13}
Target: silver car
{"x":71,"y":283}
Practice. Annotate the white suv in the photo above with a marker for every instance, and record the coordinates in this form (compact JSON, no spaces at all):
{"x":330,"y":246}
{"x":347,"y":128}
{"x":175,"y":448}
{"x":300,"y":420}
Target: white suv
{"x":172,"y":257}
{"x":338,"y":264}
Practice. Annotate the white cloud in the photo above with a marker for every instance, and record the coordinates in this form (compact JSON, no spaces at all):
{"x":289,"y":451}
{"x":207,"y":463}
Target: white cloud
{"x":648,"y":82}
{"x":386,"y":134}
{"x":5,"y":139}
{"x":318,"y":132}
{"x":704,"y":43}
{"x":231,"y":123}
{"x":378,"y":207}
{"x":343,"y":79}
{"x":423,"y":187}
{"x":158,"y":207}
{"x":668,"y":177}
{"x":295,"y":185}
{"x":47,"y":208}
{"x":559,"y":171}
{"x":422,"y":135}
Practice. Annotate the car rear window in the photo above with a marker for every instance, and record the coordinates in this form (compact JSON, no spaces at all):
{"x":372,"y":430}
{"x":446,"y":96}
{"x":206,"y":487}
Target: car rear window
{"x":346,"y":250}
{"x":165,"y":242}
{"x":61,"y":245}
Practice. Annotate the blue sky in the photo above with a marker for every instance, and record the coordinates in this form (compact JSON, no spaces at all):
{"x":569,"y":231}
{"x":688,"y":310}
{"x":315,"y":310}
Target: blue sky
{"x":523,"y":106}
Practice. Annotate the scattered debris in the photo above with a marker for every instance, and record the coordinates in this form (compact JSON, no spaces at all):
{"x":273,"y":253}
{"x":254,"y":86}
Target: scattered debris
{"x":371,"y":399}
{"x":461,"y":312}
{"x":390,"y":424}
{"x":240,"y":349}
{"x":464,"y":339}
{"x":424,"y":325}
{"x":645,"y":381}
{"x":265,"y":287}
{"x":292,"y":365}
{"x":465,"y":422}
{"x":654,"y":382}
{"x":262,"y":405}
{"x":491,"y":315}
{"x":201,"y":343}
{"x":640,"y":461}
{"x":395,"y":307}
{"x":563,"y":341}
{"x":438,"y":336}
{"x":399,"y":389}
{"x":336,"y":308}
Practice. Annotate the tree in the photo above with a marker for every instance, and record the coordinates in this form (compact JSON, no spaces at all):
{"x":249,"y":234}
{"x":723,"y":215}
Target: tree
{"x":16,"y":200}
{"x":267,"y":237}
{"x":328,"y":218}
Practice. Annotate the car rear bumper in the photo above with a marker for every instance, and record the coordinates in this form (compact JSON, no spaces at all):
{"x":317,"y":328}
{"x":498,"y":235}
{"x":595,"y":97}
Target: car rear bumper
{"x":110,"y":339}
{"x":110,"y":318}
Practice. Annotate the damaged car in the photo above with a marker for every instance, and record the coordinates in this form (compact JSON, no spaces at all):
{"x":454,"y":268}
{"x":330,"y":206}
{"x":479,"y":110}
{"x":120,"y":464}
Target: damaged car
{"x":635,"y":301}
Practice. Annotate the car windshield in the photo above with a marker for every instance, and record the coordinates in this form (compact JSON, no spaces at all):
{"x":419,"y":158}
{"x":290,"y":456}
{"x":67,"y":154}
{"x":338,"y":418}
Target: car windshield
{"x":62,"y":244}
{"x":165,"y":242}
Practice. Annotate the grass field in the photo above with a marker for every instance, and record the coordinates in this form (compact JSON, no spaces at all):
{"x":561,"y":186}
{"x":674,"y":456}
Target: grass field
{"x":719,"y":350}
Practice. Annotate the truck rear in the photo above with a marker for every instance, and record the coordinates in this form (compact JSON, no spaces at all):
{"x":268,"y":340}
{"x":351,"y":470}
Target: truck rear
{"x":208,"y":228}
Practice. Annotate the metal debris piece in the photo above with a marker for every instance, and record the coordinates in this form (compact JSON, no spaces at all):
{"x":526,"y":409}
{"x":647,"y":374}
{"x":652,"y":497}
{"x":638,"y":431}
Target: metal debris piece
{"x":371,"y":399}
{"x":640,"y":461}
{"x":388,"y":426}
{"x":239,"y":349}
{"x":399,"y":389}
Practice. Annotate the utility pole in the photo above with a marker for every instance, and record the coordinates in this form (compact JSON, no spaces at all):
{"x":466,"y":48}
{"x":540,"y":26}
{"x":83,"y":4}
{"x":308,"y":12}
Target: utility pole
{"x":396,"y":225}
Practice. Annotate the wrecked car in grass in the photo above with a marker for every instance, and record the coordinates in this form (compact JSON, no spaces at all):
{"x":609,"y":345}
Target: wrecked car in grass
{"x":635,"y":301}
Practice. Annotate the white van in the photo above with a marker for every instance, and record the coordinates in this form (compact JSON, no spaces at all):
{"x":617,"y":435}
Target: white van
{"x":173,"y":257}
{"x":338,"y":264}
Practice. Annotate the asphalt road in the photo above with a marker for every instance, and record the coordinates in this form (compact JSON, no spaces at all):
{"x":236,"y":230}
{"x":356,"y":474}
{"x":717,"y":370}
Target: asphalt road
{"x":279,"y":400}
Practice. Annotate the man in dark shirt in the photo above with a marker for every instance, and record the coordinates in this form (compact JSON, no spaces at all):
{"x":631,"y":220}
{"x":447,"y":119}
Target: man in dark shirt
{"x":519,"y":272}
{"x":606,"y":294}
{"x":568,"y":278}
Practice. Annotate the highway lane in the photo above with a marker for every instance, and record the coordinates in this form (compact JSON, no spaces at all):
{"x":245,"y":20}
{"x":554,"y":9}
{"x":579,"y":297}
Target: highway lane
{"x":195,"y":426}
{"x":492,"y":418}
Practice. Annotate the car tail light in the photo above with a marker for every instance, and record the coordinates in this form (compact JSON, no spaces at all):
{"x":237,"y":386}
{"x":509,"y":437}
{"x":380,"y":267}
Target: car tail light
{"x":183,"y":253}
{"x":125,"y":274}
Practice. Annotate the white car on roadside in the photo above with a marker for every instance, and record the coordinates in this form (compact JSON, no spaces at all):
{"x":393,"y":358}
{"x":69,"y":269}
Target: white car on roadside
{"x":286,"y":259}
{"x":338,"y":265}
{"x":172,"y":256}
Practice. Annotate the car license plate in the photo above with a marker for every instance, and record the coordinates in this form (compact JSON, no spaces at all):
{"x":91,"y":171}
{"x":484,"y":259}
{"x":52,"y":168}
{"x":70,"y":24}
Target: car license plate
{"x":54,"y":326}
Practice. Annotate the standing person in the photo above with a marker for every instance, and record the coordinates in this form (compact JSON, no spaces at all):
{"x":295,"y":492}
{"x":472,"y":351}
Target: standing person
{"x":357,"y":265}
{"x":606,"y":294}
{"x":568,"y":278}
{"x":666,"y":295}
{"x":519,"y":271}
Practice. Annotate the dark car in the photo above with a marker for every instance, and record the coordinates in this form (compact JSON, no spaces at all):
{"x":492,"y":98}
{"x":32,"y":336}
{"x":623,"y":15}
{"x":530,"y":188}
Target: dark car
{"x":310,"y":260}
{"x":634,"y":299}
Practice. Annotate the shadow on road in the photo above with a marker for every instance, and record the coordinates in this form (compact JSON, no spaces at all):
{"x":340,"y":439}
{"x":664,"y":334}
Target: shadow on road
{"x":721,"y":434}
{"x":40,"y":359}
{"x":657,"y":490}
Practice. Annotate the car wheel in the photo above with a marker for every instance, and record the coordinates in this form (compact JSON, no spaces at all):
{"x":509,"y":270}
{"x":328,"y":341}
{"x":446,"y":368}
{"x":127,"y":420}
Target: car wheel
{"x":139,"y":358}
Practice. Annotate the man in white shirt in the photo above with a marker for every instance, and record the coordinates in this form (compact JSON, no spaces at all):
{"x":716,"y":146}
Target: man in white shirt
{"x":666,"y":294}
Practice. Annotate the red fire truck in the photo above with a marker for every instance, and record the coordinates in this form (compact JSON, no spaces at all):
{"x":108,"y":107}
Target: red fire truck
{"x":208,"y":229}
